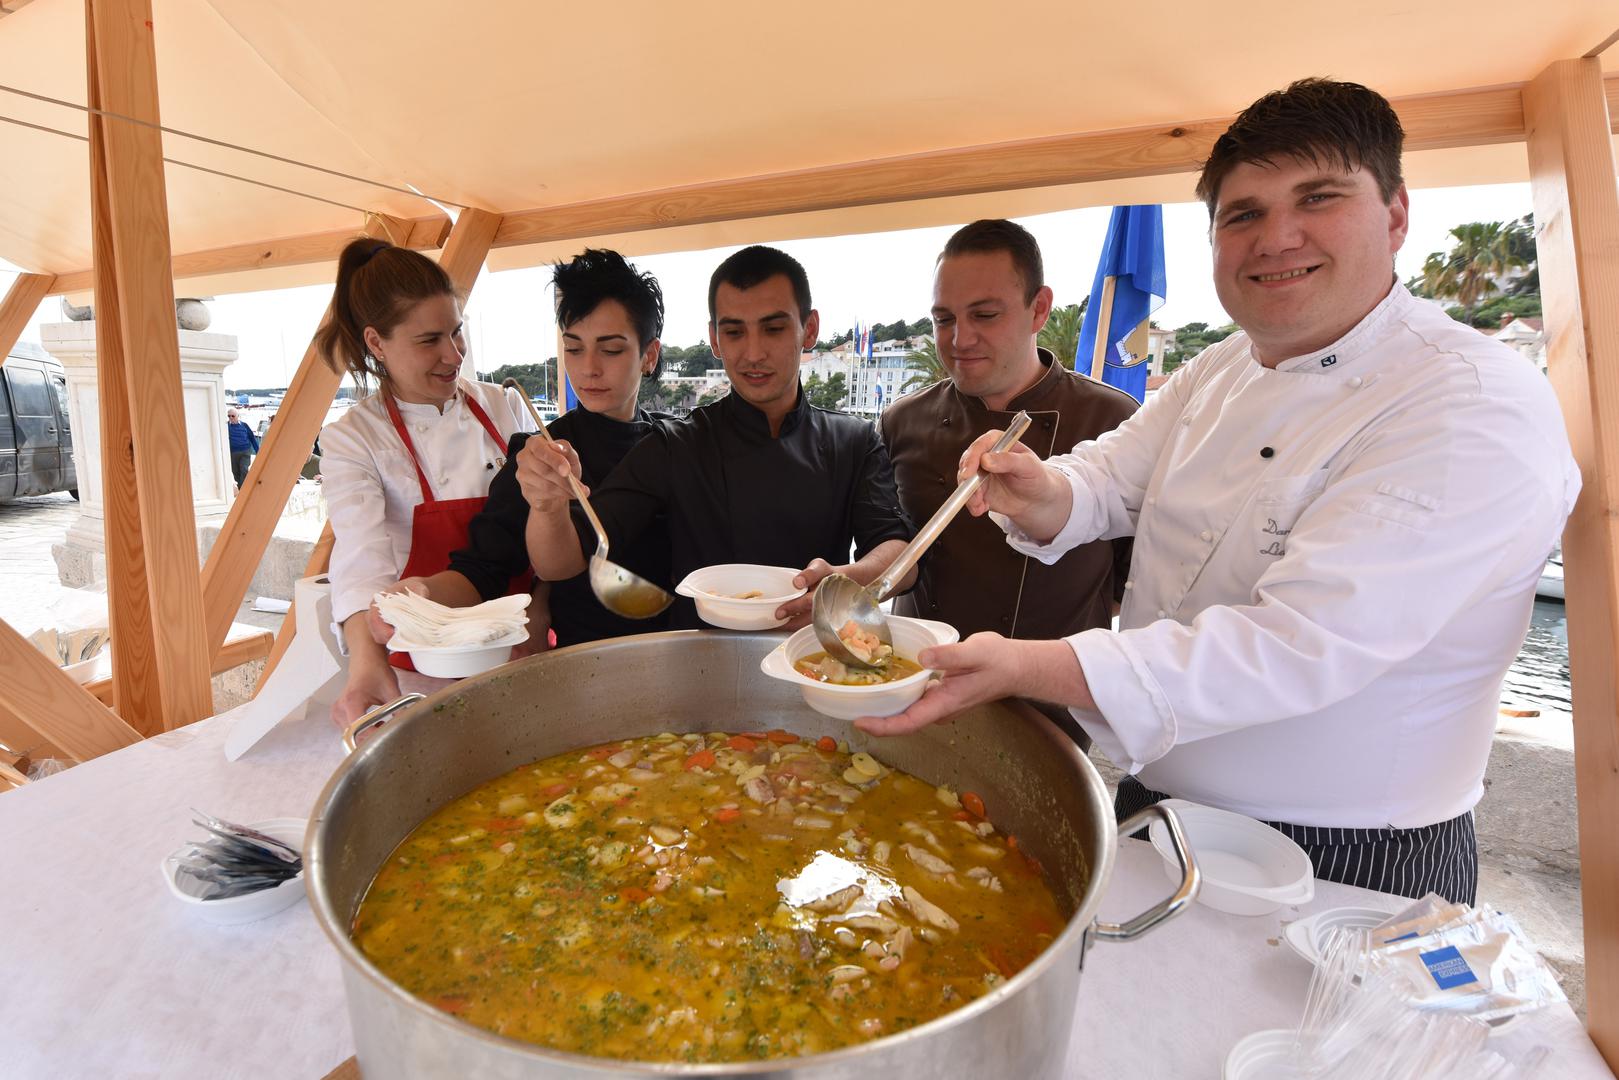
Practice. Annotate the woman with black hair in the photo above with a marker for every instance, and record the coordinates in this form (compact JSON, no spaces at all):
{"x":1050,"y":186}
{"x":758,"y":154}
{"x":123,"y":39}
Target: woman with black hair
{"x":611,"y":317}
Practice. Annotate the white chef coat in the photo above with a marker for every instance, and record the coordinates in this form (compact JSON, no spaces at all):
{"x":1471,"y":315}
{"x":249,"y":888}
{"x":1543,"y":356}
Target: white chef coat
{"x":372,"y":489}
{"x":1318,"y":635}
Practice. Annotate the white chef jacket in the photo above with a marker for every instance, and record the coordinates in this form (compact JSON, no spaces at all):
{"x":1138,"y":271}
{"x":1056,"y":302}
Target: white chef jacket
{"x":1318,"y":635}
{"x":372,"y":489}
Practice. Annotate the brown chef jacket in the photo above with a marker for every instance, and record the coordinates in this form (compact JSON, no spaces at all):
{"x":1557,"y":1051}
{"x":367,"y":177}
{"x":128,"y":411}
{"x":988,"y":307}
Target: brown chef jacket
{"x":971,"y":578}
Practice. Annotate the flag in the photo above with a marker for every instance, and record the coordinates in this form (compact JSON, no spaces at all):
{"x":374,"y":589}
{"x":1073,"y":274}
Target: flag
{"x":868,"y":343}
{"x":1133,"y":255}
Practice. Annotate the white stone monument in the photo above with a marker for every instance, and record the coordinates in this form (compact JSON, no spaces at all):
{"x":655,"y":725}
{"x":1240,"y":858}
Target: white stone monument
{"x":82,"y":557}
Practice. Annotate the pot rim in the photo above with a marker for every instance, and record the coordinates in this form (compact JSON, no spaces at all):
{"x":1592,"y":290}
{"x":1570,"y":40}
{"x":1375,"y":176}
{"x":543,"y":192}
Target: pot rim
{"x":320,"y":902}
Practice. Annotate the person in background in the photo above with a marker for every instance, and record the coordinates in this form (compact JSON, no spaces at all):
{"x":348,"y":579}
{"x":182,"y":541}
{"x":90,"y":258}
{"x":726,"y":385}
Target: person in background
{"x":759,"y":476}
{"x":1340,"y":514}
{"x":408,"y":467}
{"x":243,"y":445}
{"x":611,"y":316}
{"x":990,"y":300}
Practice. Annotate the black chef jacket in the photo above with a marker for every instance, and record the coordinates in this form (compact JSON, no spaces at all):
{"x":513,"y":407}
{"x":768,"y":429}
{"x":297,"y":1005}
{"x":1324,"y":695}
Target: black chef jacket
{"x":733,"y":494}
{"x":496,"y":549}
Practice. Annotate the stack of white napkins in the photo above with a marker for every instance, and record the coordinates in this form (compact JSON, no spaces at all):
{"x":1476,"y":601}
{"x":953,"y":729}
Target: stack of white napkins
{"x":420,"y":623}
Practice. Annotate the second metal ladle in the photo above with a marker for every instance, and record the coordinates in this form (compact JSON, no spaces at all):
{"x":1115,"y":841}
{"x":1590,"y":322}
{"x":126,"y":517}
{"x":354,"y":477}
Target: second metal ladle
{"x":840,"y":599}
{"x":620,"y":591}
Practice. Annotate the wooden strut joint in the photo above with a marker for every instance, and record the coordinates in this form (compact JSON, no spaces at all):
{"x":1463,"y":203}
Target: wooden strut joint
{"x":1571,"y":166}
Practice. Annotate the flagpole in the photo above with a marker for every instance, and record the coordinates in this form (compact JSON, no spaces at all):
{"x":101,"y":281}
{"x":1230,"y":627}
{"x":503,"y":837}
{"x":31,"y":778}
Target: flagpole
{"x":1104,"y":329}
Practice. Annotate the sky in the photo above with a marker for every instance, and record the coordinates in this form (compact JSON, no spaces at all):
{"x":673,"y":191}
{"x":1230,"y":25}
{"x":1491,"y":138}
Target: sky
{"x":876,"y":277}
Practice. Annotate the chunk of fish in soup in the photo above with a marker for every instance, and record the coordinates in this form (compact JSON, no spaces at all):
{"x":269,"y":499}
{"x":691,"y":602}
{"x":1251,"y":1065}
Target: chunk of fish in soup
{"x":705,"y":898}
{"x":829,"y":669}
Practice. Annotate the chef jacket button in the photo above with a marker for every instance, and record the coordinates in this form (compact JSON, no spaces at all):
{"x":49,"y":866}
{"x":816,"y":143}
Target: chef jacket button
{"x":1129,"y":584}
{"x":1206,"y":535}
{"x":1186,"y":421}
{"x":1162,"y":613}
{"x":1356,"y":381}
{"x":1046,"y":425}
{"x":444,"y":479}
{"x":947,"y":421}
{"x":1152,"y":500}
{"x":1005,"y":619}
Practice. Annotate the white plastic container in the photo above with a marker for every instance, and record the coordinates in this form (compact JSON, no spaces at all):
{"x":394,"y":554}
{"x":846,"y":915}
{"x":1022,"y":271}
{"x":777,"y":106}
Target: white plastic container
{"x":249,"y":907}
{"x":911,"y":636}
{"x":459,"y":661}
{"x":715,"y":589}
{"x":1264,"y":1055}
{"x":1306,"y":936}
{"x":1248,"y":867}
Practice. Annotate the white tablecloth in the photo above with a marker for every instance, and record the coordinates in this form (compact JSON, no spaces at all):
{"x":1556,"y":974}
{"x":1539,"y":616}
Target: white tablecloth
{"x":105,"y":975}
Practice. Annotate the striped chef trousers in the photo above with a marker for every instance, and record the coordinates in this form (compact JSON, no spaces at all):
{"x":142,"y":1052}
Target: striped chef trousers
{"x":1440,"y":858}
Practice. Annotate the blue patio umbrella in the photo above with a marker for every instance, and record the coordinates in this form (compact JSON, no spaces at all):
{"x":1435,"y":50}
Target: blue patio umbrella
{"x":1133,"y":256}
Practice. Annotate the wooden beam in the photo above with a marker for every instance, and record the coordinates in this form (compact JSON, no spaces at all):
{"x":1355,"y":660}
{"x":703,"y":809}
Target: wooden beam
{"x":1459,"y":118}
{"x":320,"y":558}
{"x":126,"y":77}
{"x":22,"y":300}
{"x":129,"y":615}
{"x":235,"y":653}
{"x":468,"y":246}
{"x":1454,"y":118}
{"x":258,"y":506}
{"x":41,"y":697}
{"x":1571,"y":168}
{"x":421,"y":234}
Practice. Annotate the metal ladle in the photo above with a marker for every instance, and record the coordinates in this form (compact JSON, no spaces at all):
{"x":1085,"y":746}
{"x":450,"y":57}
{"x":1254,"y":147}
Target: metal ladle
{"x":621,"y":592}
{"x":840,"y":599}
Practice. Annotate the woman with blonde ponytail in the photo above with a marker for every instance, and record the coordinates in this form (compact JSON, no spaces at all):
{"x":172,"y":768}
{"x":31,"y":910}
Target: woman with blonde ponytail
{"x":408,"y":467}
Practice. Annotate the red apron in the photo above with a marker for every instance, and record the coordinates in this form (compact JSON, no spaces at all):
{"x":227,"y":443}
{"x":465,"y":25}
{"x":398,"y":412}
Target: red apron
{"x":438,"y":528}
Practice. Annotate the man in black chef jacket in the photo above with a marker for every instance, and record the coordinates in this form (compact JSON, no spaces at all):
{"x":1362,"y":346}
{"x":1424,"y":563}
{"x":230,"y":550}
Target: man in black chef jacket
{"x":760,"y":476}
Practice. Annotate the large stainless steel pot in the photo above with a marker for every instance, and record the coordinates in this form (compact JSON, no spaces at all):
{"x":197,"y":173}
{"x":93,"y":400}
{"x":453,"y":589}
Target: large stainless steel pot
{"x":1038,"y":785}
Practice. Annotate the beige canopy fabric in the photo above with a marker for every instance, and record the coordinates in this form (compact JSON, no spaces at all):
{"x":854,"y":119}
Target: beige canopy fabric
{"x":520,"y":106}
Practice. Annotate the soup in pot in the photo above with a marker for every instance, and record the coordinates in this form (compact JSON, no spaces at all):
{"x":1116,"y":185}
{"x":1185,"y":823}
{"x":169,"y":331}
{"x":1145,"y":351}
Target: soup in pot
{"x":705,"y":898}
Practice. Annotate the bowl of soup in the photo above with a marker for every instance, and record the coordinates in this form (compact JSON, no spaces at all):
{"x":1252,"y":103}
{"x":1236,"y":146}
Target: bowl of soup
{"x":740,"y":596}
{"x":848,"y":691}
{"x":644,"y":857}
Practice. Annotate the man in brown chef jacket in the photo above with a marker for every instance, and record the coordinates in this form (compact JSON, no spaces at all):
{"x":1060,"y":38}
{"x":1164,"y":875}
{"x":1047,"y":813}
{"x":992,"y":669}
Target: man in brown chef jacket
{"x":989,"y":302}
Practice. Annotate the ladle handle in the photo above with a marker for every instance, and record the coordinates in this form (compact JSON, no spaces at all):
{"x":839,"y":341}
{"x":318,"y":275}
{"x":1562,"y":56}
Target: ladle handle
{"x":352,"y":733}
{"x":573,"y":481}
{"x":944,"y":514}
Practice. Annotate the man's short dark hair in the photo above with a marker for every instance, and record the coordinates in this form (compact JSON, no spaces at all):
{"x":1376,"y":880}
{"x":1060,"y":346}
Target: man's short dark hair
{"x":597,"y":274}
{"x":755,"y":265}
{"x":1316,"y":120}
{"x":989,"y":235}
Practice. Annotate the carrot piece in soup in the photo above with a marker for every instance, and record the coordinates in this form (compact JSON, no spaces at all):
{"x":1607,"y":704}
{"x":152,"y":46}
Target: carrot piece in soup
{"x":974,"y":805}
{"x":742,"y":743}
{"x":781,"y":738}
{"x":827,"y":743}
{"x":703,"y":759}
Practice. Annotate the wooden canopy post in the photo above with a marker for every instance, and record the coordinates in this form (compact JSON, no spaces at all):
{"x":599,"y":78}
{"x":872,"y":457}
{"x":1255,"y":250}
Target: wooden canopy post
{"x":22,"y":300}
{"x":1571,"y":169}
{"x":123,"y":81}
{"x":1104,"y":319}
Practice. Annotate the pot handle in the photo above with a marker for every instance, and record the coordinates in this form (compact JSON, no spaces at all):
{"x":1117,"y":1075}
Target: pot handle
{"x":1191,"y":880}
{"x":352,"y":733}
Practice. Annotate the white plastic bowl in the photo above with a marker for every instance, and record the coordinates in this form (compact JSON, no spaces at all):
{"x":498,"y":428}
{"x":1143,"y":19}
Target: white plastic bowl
{"x":1248,"y":867}
{"x":459,"y":661}
{"x":911,"y":636}
{"x":249,"y":907}
{"x":88,"y":670}
{"x":715,"y":588}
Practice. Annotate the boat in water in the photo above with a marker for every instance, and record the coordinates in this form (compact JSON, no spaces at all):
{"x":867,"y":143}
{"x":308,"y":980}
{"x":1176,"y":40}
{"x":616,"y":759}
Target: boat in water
{"x":1550,"y":586}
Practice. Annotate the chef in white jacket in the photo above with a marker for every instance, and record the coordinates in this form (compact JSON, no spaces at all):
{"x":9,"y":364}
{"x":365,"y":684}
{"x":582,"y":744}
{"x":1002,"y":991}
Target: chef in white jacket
{"x":1339,"y":513}
{"x":408,"y":467}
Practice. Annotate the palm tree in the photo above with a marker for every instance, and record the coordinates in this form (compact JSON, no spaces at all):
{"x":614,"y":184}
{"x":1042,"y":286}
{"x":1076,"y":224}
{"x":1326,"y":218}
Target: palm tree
{"x":1484,"y":251}
{"x":928,"y":368}
{"x":1061,"y":333}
